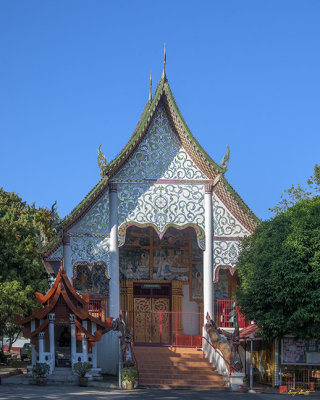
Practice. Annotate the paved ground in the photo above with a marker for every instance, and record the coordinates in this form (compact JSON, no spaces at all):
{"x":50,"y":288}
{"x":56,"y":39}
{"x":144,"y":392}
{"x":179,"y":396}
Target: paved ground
{"x":12,"y":392}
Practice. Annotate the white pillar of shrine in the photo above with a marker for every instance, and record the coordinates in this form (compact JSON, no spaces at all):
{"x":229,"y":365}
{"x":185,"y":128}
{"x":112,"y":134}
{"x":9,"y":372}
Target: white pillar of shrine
{"x":84,"y":347}
{"x":33,"y":349}
{"x":67,"y":256}
{"x":41,"y":347}
{"x":107,"y":356}
{"x":114,"y":254}
{"x":51,"y":335}
{"x":73,"y":339}
{"x":208,"y":255}
{"x":94,"y":348}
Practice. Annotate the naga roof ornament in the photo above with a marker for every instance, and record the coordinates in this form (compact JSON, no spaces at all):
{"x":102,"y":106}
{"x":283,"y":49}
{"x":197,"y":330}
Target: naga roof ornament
{"x":102,"y":161}
{"x":225,"y":160}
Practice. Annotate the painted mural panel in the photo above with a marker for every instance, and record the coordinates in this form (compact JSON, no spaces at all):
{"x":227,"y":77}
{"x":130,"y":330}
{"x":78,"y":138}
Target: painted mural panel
{"x":91,"y":278}
{"x":159,"y":155}
{"x":171,"y":264}
{"x":221,"y":287}
{"x":197,"y":282}
{"x":134,"y":263}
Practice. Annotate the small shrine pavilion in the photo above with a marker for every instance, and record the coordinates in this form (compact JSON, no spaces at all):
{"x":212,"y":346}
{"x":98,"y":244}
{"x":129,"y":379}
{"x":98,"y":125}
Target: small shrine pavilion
{"x":63,"y":331}
{"x":157,"y":237}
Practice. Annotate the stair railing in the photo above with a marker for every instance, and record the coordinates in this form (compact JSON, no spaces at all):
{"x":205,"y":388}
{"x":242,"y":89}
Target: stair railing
{"x":216,"y":358}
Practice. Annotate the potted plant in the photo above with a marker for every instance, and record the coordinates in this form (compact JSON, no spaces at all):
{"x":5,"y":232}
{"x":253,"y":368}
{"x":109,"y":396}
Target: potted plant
{"x":129,"y":377}
{"x":40,"y":372}
{"x":80,"y":369}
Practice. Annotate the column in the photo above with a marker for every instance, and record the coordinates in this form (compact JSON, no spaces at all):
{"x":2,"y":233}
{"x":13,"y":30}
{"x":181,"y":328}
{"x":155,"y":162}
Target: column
{"x":84,"y":347}
{"x":276,"y":363}
{"x":67,"y":256}
{"x":94,"y":348}
{"x":208,"y":255}
{"x":73,"y":339}
{"x":114,"y":253}
{"x":51,"y":338}
{"x":41,"y":347}
{"x":33,"y":350}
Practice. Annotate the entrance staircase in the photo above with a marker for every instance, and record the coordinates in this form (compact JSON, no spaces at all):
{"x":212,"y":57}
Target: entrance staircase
{"x":175,"y":367}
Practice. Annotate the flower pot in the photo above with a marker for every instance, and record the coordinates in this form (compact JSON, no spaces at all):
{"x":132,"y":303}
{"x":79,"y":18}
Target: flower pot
{"x":41,"y":380}
{"x":128,"y":385}
{"x":83,"y":381}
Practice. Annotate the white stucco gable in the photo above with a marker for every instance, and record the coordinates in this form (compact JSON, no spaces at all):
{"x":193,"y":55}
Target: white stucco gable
{"x":160,"y":155}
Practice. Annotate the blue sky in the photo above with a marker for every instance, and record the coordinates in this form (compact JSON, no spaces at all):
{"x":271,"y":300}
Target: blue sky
{"x":76,"y":73}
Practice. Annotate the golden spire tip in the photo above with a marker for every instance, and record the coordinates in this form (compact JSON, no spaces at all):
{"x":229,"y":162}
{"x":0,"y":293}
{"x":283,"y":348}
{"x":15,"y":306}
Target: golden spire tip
{"x":164,"y":63}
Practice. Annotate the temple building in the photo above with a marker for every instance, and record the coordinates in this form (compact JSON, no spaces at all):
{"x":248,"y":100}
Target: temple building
{"x":158,"y":237}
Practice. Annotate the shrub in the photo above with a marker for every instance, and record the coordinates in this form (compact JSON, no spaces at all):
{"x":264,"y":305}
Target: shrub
{"x":129,"y":374}
{"x":81,"y":368}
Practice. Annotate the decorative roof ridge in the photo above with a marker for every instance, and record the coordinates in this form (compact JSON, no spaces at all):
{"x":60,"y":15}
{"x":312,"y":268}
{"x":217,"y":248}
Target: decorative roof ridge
{"x":139,"y":131}
{"x":239,"y":199}
{"x":188,"y":131}
{"x":163,"y":87}
{"x":74,"y":215}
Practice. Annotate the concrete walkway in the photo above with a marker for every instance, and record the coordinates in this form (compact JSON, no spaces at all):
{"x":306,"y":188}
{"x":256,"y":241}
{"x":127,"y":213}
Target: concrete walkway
{"x":30,"y":392}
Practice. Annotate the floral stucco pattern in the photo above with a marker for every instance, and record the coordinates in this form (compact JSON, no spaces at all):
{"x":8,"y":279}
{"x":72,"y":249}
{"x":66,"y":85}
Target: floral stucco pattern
{"x":96,"y":220}
{"x":161,"y":205}
{"x":90,"y":249}
{"x":224,"y":223}
{"x":225,"y":253}
{"x":159,"y":155}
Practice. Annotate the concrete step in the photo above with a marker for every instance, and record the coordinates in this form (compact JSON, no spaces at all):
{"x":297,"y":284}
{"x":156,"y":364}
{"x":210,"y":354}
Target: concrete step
{"x":175,"y":368}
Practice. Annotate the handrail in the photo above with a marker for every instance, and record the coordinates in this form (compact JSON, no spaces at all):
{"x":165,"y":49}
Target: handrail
{"x":134,"y":356}
{"x":220,"y":354}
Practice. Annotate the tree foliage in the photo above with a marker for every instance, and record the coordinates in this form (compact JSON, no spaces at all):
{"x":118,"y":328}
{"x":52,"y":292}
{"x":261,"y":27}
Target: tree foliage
{"x":279,"y":267}
{"x":297,"y":193}
{"x":21,"y":227}
{"x":14,"y":299}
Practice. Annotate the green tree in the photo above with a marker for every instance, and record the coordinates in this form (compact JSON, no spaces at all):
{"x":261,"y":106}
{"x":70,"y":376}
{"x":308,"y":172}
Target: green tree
{"x":279,"y":267}
{"x":297,"y":193}
{"x":21,"y":227}
{"x":14,"y":299}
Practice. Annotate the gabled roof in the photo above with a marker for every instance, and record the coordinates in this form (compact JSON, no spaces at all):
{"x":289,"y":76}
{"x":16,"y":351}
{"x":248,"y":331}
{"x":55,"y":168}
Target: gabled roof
{"x":77,"y":305}
{"x":208,"y":166}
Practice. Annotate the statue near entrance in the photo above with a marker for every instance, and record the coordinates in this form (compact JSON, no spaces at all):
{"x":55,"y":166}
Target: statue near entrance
{"x":125,"y":340}
{"x":228,"y":347}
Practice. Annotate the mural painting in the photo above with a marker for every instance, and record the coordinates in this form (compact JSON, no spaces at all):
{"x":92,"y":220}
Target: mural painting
{"x":221,"y":287}
{"x":171,"y":264}
{"x":91,"y":278}
{"x":197,"y":279}
{"x":134,"y":263}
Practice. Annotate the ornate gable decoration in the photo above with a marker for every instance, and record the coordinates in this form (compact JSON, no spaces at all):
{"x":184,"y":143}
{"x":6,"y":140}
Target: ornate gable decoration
{"x":160,"y":155}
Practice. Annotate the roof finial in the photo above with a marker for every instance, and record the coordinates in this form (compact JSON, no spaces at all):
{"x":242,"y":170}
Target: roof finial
{"x":164,"y":63}
{"x":150,"y":91}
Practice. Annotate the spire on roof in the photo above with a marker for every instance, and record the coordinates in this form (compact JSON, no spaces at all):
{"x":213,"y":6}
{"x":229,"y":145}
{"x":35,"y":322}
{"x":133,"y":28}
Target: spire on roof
{"x":164,"y":63}
{"x":150,"y":91}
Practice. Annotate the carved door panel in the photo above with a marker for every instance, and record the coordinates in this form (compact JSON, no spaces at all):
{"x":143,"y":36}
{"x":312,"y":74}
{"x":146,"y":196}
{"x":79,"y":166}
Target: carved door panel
{"x":160,"y":321}
{"x":151,"y":320}
{"x":142,"y":320}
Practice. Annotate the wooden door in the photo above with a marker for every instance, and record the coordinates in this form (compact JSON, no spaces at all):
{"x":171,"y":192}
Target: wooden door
{"x":151,"y":320}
